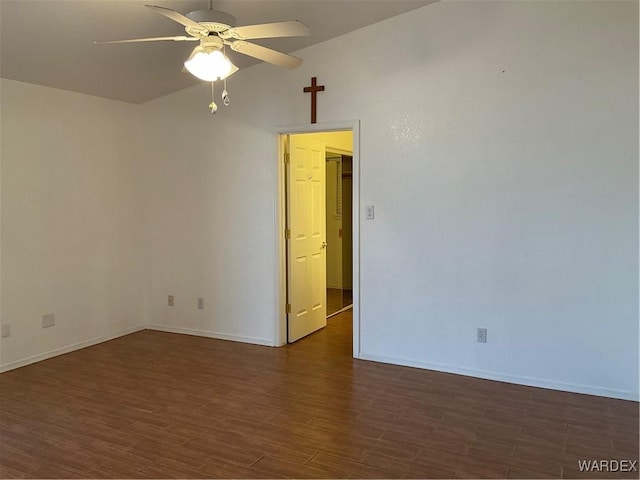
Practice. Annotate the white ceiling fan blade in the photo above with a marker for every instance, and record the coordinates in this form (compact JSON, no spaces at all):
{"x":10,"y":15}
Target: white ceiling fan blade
{"x":153,"y":39}
{"x":178,"y":17}
{"x":270,"y":30}
{"x":265,"y":54}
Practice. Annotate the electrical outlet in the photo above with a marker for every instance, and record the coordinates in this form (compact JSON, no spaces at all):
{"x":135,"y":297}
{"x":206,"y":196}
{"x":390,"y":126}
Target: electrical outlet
{"x":369,"y":212}
{"x":482,"y":335}
{"x":6,"y":330}
{"x":200,"y":303}
{"x":170,"y":300}
{"x":48,"y":320}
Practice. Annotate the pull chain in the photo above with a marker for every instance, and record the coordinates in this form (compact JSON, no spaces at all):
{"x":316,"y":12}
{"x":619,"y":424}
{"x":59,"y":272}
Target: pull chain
{"x":212,"y":106}
{"x":225,"y":95}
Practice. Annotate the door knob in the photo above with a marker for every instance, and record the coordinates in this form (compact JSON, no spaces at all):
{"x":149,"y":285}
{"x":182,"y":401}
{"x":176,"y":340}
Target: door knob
{"x":324,"y":244}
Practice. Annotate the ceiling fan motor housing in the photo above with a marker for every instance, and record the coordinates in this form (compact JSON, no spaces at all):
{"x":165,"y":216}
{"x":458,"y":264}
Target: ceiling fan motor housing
{"x":212,"y":20}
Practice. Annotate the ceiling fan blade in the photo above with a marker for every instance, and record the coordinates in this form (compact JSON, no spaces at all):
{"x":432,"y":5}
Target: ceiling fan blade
{"x":270,"y":30}
{"x":178,"y":17}
{"x":265,"y":54}
{"x":152,"y":39}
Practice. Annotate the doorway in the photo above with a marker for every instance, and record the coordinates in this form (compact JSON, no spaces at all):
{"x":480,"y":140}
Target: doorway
{"x":339,"y":169}
{"x":338,"y":239}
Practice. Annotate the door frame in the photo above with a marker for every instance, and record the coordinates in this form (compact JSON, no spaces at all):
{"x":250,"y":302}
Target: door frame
{"x":280,"y":327}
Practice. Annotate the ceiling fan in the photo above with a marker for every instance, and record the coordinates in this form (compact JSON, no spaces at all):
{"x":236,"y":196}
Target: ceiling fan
{"x":215,"y":30}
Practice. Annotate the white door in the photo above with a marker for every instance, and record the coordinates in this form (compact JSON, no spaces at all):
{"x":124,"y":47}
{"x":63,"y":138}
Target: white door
{"x":306,"y":244}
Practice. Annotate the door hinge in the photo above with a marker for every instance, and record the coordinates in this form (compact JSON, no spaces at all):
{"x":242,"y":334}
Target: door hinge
{"x":287,"y":234}
{"x":287,"y":157}
{"x":288,"y":308}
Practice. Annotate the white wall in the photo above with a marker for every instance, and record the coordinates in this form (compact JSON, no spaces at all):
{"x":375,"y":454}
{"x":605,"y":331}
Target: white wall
{"x":70,"y":221}
{"x":512,"y":129}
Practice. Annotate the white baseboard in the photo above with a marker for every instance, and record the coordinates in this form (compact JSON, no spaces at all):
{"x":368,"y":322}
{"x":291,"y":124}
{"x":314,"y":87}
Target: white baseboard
{"x":69,"y":348}
{"x":210,"y":334}
{"x":501,"y":377}
{"x":488,"y":375}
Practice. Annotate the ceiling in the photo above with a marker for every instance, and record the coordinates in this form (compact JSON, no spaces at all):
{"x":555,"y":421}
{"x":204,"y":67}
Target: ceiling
{"x":50,"y":42}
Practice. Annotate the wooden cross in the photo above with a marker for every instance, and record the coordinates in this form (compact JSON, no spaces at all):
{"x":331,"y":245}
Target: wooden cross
{"x":314,"y":89}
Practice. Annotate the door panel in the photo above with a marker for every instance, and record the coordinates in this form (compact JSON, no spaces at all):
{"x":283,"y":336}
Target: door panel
{"x":306,"y":278}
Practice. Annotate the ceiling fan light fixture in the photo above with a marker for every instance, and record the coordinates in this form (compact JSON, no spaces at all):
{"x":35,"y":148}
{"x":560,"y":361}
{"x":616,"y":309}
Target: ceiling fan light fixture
{"x":215,"y":30}
{"x":209,"y":66}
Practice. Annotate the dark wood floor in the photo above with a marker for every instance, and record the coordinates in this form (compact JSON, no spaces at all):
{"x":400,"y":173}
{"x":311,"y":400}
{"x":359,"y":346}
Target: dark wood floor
{"x":161,"y":405}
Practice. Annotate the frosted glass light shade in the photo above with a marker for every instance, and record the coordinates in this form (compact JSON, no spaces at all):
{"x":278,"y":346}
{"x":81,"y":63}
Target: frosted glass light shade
{"x":208,"y":66}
